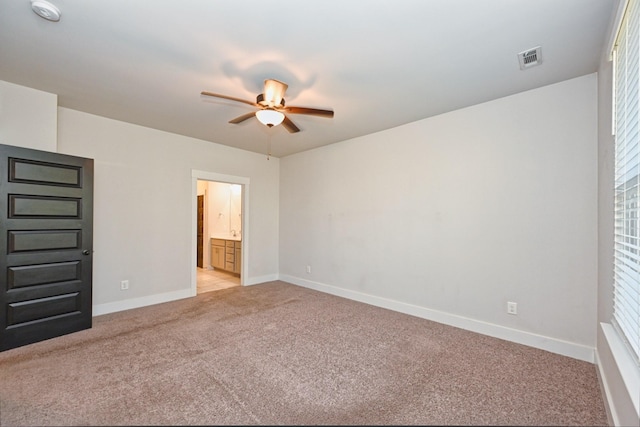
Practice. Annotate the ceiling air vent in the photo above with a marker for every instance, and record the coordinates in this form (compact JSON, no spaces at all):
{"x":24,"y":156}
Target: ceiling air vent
{"x":530,"y":58}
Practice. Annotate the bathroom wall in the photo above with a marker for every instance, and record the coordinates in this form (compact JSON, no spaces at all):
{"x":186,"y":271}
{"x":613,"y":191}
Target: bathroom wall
{"x":224,"y":208}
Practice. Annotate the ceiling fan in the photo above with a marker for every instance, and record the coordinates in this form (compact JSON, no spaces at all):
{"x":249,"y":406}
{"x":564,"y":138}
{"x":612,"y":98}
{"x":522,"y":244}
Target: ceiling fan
{"x":271,"y":106}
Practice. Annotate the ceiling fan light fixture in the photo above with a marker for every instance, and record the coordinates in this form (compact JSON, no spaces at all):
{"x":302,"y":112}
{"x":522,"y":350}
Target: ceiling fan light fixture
{"x":269,"y":117}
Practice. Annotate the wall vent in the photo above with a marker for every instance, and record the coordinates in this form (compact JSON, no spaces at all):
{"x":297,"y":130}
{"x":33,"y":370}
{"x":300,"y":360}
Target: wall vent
{"x":530,"y":58}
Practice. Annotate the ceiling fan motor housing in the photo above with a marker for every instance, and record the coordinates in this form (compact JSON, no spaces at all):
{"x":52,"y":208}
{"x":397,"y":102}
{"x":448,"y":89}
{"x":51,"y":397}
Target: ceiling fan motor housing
{"x":260,"y":100}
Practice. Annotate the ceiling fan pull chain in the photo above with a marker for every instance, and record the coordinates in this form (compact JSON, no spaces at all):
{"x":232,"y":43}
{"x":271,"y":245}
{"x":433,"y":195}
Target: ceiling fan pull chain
{"x":269,"y":144}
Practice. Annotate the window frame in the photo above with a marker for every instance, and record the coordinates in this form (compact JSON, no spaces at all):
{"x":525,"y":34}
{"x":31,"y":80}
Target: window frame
{"x":626,"y":131}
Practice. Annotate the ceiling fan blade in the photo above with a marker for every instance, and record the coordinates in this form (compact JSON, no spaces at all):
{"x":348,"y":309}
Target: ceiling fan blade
{"x":232,"y":98}
{"x":311,"y":111}
{"x":242,"y":118}
{"x":288,"y":124}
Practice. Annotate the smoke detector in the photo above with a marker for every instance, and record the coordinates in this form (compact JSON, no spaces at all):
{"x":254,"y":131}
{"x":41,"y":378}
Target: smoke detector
{"x":45,"y":10}
{"x":530,"y":58}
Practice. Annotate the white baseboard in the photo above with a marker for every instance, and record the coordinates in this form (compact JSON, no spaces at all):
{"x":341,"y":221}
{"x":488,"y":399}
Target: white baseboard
{"x":565,"y":348}
{"x":112,"y":307}
{"x":612,"y":416}
{"x":261,"y":279}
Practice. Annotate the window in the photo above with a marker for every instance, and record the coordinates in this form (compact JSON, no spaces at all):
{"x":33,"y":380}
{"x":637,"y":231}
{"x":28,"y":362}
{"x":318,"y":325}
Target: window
{"x":626,"y":299}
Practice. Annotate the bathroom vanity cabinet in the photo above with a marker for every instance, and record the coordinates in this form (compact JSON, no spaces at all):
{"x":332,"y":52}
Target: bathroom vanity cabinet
{"x":226,"y":255}
{"x":217,"y":253}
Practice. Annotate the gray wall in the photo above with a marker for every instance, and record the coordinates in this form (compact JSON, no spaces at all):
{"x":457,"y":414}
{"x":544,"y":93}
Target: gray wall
{"x":453,"y":216}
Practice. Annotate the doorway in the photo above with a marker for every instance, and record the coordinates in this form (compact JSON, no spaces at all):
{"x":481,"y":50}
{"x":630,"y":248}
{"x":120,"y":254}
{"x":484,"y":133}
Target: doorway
{"x":220,"y":232}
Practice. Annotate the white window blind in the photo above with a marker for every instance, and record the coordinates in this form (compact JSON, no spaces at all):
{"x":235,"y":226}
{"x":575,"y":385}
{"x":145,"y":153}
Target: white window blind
{"x":626,"y":299}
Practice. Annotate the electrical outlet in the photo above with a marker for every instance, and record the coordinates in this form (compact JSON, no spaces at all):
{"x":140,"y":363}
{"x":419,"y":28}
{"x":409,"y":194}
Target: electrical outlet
{"x":308,"y":269}
{"x":124,"y":285}
{"x":512,"y":308}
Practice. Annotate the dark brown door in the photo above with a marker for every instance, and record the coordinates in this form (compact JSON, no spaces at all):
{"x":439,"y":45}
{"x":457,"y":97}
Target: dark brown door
{"x":46,"y":241}
{"x":200,"y":249}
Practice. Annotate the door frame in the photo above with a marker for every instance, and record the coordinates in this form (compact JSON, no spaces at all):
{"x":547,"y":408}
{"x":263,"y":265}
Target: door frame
{"x":227,"y":179}
{"x":200,"y":219}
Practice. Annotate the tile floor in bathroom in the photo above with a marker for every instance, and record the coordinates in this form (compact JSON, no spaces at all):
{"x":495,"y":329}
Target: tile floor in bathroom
{"x":214,"y":280}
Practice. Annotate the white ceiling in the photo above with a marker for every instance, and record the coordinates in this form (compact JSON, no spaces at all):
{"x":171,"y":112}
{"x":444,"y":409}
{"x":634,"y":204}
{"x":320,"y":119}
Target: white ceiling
{"x":377,"y":64}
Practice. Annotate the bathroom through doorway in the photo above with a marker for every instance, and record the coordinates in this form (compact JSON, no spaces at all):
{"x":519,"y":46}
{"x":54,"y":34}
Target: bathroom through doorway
{"x":220,"y":234}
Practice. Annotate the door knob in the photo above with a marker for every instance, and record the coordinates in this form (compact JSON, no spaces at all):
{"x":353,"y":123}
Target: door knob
{"x":86,"y":252}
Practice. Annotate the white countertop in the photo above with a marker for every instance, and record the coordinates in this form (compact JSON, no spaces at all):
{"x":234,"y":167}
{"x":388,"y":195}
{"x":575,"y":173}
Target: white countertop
{"x":226,"y":237}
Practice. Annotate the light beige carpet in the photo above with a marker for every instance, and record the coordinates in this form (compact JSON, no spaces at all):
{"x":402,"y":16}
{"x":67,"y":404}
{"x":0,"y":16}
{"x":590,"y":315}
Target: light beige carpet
{"x":276,"y":353}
